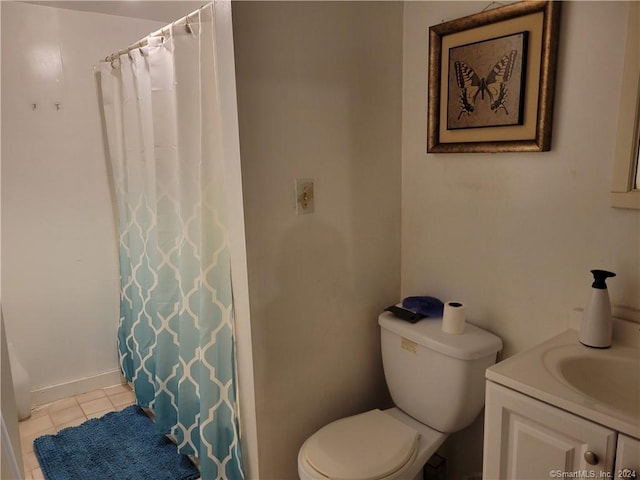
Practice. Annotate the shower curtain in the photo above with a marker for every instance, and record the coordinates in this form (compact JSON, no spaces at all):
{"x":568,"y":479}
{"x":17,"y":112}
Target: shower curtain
{"x":162,"y":118}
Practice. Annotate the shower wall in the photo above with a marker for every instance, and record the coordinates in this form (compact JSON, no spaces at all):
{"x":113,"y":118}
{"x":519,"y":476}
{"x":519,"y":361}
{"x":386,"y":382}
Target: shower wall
{"x":59,"y":258}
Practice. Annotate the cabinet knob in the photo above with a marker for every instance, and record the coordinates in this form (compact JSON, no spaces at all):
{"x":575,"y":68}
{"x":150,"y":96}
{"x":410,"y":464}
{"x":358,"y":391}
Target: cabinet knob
{"x":591,"y":457}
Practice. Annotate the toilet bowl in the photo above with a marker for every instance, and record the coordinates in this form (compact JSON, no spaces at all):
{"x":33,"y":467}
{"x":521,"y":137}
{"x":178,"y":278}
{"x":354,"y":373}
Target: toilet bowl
{"x":436,"y":381}
{"x":406,"y":464}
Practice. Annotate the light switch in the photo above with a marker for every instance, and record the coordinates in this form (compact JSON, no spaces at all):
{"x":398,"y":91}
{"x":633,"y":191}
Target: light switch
{"x":304,"y":196}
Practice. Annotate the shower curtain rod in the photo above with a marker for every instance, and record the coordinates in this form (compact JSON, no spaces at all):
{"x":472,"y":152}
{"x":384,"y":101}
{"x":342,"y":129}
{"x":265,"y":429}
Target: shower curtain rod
{"x":184,"y":21}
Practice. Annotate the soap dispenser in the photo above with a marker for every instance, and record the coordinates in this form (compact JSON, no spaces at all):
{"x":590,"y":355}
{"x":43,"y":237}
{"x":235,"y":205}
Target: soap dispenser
{"x":596,"y":327}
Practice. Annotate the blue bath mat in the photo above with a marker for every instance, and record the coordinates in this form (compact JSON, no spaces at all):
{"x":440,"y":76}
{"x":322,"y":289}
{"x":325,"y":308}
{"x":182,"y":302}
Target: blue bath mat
{"x":119,"y":446}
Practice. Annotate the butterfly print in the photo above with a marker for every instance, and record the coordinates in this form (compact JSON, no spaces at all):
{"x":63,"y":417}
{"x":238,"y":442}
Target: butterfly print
{"x":472,"y":85}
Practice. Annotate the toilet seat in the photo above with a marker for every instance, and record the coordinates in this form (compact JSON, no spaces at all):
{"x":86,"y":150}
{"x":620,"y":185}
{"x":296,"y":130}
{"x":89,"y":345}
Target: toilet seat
{"x":369,"y":446}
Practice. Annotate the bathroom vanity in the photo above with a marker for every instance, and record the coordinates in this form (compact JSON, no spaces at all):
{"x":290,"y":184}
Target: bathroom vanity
{"x":563,"y":410}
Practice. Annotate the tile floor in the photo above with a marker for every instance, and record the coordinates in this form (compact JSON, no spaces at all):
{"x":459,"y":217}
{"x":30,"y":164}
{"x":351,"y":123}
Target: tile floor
{"x":69,"y":412}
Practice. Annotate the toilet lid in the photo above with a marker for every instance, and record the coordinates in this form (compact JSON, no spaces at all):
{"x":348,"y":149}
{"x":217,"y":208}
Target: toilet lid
{"x":368,"y":446}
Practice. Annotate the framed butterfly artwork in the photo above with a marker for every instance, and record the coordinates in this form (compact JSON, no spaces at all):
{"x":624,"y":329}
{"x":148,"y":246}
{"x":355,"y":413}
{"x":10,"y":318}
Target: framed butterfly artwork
{"x":492,"y":80}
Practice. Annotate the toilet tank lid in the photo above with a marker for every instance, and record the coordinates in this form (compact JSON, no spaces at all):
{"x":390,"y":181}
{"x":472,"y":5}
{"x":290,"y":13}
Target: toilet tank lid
{"x":474,"y":343}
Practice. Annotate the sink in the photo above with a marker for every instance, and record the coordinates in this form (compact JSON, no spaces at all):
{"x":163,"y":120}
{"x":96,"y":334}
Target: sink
{"x":602,"y":385}
{"x":613,"y":381}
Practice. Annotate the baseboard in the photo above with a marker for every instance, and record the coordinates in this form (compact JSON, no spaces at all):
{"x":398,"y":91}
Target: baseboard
{"x":52,"y":393}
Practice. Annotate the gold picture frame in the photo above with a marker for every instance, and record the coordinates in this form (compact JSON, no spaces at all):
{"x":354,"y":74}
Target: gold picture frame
{"x":492,"y":80}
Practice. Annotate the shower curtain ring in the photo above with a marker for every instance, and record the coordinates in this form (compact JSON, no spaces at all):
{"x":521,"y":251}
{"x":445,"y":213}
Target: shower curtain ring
{"x":187,"y":25}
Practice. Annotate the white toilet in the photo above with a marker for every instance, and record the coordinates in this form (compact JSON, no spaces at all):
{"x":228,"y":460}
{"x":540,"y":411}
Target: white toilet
{"x":436,"y":381}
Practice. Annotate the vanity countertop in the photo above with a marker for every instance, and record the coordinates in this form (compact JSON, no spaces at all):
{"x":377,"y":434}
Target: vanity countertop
{"x":602,"y":385}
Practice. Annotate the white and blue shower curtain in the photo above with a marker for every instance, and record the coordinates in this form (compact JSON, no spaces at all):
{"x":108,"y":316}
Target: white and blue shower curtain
{"x":176,"y":339}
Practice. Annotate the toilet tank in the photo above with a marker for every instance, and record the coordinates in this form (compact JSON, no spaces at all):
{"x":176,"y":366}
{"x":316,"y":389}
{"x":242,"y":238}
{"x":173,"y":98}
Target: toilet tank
{"x":436,"y":377}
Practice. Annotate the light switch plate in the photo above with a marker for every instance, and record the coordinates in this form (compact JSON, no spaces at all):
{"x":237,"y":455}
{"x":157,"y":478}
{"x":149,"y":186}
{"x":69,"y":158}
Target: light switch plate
{"x":304,"y":196}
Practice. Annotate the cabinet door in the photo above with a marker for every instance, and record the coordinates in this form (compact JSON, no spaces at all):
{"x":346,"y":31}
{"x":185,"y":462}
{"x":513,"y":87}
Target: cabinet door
{"x":627,"y":458}
{"x":528,"y":439}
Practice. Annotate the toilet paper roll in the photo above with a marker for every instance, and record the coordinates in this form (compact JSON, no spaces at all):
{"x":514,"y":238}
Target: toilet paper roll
{"x":453,"y":318}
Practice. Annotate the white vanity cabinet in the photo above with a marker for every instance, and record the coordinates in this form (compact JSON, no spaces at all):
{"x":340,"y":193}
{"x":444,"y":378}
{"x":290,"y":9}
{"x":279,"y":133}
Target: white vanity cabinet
{"x":564,"y":410}
{"x":528,"y":439}
{"x":627,"y":458}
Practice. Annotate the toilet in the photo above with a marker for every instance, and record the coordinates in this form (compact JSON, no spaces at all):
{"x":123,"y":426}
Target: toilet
{"x":436,"y":381}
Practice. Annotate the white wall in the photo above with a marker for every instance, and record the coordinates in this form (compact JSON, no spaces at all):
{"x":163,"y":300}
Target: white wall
{"x":319,"y":96}
{"x":514,"y":235}
{"x":60,"y":268}
{"x":11,"y":450}
{"x":11,"y":465}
